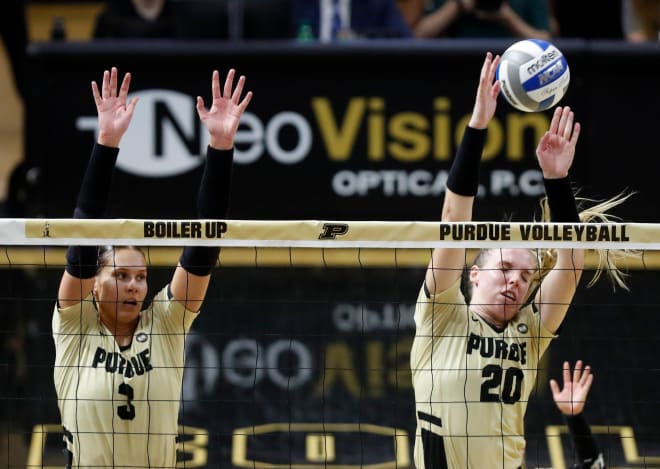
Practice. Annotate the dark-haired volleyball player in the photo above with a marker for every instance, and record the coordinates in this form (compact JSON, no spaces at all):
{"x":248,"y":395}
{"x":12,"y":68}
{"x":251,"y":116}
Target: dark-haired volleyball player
{"x":474,"y":358}
{"x":119,"y":368}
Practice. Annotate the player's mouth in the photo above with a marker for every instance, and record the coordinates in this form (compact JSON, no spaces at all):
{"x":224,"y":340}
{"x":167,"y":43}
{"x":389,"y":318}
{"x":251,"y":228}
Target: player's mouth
{"x":509,"y":297}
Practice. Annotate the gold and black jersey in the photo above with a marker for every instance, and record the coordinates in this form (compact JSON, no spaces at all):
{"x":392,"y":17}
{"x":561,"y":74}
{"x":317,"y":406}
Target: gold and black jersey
{"x":472,"y":383}
{"x":119,"y":408}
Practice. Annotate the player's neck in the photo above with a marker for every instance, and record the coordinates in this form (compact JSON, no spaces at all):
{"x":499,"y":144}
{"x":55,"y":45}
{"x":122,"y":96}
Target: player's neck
{"x":497,"y":325}
{"x":124,"y":340}
{"x":122,"y":332}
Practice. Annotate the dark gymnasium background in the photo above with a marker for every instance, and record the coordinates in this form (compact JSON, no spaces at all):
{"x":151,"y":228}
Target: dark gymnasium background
{"x":363,"y":131}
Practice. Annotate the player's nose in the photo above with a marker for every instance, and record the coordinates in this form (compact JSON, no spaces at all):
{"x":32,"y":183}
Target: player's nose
{"x":132,"y":284}
{"x":514,"y":278}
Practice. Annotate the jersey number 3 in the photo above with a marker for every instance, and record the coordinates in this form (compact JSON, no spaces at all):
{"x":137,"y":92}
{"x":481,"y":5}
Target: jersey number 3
{"x":511,"y":387}
{"x":126,"y":412}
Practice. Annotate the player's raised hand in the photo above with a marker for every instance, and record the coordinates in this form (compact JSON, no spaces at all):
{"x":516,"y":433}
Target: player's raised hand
{"x":556,"y":148}
{"x":224,"y":116}
{"x":114,"y":113}
{"x":486,"y":100}
{"x":571,"y":399}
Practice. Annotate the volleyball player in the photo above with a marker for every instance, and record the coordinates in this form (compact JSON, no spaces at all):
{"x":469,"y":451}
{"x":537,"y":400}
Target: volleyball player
{"x":474,"y":357}
{"x":119,"y":368}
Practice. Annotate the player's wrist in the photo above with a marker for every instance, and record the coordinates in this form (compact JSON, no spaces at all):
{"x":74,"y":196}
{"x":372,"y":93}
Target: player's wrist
{"x":477,"y":123}
{"x":95,"y":187}
{"x":108,"y":140}
{"x":561,"y":200}
{"x":551,"y":175}
{"x":463,"y":178}
{"x":219,"y":143}
{"x":214,"y":187}
{"x":585,"y":445}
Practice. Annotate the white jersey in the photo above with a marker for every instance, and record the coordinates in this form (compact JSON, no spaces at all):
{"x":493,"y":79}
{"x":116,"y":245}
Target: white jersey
{"x":120,"y":408}
{"x":472,"y":383}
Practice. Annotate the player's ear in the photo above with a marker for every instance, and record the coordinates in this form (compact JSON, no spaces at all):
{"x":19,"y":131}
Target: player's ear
{"x":474,"y":273}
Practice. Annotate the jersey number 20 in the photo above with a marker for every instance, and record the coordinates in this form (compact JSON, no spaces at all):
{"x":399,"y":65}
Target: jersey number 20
{"x":511,"y":387}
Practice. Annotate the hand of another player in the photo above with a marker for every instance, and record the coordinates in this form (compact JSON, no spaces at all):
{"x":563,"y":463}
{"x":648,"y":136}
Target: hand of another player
{"x":224,"y":116}
{"x":556,"y":148}
{"x":114,"y":114}
{"x":486,"y":100}
{"x":571,"y":399}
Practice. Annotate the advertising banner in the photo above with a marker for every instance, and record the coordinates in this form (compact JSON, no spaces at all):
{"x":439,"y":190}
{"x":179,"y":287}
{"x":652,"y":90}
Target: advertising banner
{"x":332,"y":132}
{"x":309,"y":367}
{"x":349,"y":131}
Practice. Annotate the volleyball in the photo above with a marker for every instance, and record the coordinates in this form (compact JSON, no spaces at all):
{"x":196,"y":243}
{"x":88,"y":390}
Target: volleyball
{"x":534,"y":75}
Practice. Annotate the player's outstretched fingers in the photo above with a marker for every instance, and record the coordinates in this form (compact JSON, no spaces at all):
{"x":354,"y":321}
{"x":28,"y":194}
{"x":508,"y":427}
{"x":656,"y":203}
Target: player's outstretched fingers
{"x":229,"y":83}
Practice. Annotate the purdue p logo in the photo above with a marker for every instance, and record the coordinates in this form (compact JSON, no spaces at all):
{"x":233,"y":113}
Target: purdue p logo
{"x":332,"y":230}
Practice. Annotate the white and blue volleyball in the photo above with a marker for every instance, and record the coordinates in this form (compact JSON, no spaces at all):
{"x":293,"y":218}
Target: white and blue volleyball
{"x":534,"y":75}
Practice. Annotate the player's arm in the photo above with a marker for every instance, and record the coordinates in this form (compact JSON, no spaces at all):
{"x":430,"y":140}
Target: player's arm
{"x":555,"y":153}
{"x":114,"y":116}
{"x":446,"y":264}
{"x":193,"y":273}
{"x":570,"y":400}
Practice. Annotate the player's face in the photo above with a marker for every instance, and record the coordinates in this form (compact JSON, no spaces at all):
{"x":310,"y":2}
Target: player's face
{"x":500,"y":285}
{"x":121,"y":286}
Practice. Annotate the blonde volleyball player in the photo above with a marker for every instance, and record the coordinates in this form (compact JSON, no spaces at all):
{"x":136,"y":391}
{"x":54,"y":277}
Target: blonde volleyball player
{"x":119,"y":367}
{"x":474,"y":358}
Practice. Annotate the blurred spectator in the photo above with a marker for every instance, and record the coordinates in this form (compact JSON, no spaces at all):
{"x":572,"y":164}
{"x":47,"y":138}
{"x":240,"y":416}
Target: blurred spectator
{"x":267,"y":19}
{"x":486,"y":19}
{"x":641,"y":20}
{"x":13,"y":29}
{"x":196,"y":19}
{"x":584,"y":20}
{"x":412,"y":11}
{"x":345,"y":19}
{"x":135,"y":19}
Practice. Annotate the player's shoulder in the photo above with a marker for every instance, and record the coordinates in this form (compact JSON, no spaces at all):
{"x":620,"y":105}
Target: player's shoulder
{"x":453,"y":291}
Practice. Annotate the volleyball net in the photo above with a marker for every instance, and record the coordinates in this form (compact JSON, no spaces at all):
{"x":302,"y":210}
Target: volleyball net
{"x":301,"y":355}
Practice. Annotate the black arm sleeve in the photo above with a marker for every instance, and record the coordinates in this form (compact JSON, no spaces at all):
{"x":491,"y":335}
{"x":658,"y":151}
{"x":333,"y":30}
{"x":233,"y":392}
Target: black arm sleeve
{"x":585,"y":443}
{"x":212,"y":202}
{"x":561,"y":200}
{"x":463,"y":178}
{"x":92,"y":203}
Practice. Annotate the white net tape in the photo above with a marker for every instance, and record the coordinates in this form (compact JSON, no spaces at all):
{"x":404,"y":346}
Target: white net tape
{"x":328,"y":234}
